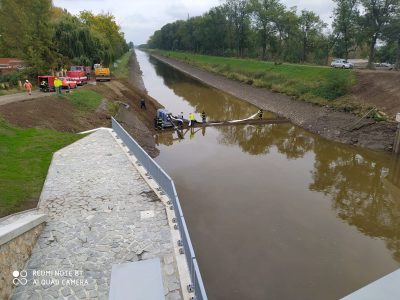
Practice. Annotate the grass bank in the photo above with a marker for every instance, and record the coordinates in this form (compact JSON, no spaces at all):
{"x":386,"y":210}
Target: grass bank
{"x":314,"y":84}
{"x":84,"y":100}
{"x":25,"y":156}
{"x":120,"y":70}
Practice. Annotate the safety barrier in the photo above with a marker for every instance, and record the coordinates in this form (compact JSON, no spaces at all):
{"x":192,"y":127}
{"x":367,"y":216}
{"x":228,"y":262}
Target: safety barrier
{"x":168,"y":187}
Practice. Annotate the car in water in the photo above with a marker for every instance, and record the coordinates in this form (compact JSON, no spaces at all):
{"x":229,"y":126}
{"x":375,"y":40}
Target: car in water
{"x":341,"y":63}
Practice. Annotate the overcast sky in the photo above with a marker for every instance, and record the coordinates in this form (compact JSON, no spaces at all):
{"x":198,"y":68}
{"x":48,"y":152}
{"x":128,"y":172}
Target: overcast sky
{"x":140,"y":18}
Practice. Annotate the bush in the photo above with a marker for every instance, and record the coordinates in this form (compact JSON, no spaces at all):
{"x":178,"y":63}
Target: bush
{"x":334,"y":86}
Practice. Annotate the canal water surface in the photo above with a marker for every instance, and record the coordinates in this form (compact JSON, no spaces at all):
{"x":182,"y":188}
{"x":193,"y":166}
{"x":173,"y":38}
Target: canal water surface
{"x":273,"y":211}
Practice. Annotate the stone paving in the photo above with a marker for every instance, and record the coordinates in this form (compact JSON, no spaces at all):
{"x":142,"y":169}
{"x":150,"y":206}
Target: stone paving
{"x":99,"y":213}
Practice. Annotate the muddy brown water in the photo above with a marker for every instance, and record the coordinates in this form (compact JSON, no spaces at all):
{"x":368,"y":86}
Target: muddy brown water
{"x":273,"y":211}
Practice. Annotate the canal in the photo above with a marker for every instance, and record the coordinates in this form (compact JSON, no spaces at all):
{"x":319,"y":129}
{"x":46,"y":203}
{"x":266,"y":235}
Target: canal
{"x":273,"y":211}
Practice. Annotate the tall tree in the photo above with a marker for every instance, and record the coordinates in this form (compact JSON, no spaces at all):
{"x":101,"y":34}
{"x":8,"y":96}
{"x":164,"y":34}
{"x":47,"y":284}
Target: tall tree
{"x":266,"y":14}
{"x":311,"y":26}
{"x":377,"y":15}
{"x":238,"y":16}
{"x":26,"y":32}
{"x":391,"y":35}
{"x":345,"y":23}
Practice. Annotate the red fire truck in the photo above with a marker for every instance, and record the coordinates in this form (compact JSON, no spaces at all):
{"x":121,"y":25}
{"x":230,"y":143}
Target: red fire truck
{"x":80,"y":74}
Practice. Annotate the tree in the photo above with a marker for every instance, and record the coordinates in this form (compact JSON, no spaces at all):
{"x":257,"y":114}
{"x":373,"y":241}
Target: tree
{"x":377,"y":15}
{"x":266,"y":14}
{"x":26,"y":32}
{"x":105,"y":28}
{"x":345,"y":26}
{"x":391,"y":35}
{"x":238,"y":16}
{"x":311,"y":26}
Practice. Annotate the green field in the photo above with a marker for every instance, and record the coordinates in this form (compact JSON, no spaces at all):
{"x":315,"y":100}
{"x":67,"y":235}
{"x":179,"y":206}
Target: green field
{"x":25,"y":156}
{"x":315,"y":84}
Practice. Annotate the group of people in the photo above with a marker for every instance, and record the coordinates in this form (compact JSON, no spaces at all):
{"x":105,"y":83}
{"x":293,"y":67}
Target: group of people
{"x":192,"y":118}
{"x":158,"y":123}
{"x":44,"y":86}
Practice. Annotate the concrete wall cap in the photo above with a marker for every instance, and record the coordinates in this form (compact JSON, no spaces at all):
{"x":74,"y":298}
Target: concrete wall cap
{"x":20,"y":226}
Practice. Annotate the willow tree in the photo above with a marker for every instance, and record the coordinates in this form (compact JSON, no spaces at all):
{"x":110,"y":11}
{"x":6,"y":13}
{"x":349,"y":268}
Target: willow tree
{"x":26,"y":32}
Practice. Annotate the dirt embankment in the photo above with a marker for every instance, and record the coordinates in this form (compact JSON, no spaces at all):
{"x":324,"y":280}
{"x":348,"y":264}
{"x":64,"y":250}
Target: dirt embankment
{"x":333,"y":125}
{"x":57,"y":113}
{"x":380,"y":89}
{"x":54,"y":113}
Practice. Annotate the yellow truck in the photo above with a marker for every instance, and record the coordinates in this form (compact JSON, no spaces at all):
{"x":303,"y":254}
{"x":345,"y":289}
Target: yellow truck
{"x":101,"y":73}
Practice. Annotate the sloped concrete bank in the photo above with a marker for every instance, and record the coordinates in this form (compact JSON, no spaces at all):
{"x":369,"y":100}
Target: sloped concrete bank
{"x":333,"y":125}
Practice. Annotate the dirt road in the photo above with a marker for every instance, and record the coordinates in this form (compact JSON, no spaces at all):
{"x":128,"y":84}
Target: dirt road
{"x":22,"y":97}
{"x":333,"y":125}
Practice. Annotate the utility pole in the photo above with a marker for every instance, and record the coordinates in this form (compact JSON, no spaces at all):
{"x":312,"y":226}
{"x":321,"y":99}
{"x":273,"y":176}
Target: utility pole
{"x":396,"y":145}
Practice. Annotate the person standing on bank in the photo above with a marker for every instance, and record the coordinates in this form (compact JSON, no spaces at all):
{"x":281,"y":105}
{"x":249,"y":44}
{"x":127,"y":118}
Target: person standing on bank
{"x":260,"y":114}
{"x":142,"y":103}
{"x":191,"y":119}
{"x":58,"y":85}
{"x":28,"y":87}
{"x":203,"y":117}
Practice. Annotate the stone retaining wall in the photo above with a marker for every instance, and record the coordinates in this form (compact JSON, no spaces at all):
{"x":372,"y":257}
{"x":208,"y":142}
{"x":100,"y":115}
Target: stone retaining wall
{"x":13,"y":256}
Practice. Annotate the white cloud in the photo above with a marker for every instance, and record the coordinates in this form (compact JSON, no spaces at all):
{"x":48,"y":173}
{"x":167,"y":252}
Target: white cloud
{"x":140,"y":18}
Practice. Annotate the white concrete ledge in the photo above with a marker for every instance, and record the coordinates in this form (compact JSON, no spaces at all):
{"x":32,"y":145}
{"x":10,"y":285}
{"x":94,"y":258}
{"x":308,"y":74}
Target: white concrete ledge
{"x":387,"y":288}
{"x":20,"y":226}
{"x":94,"y":130}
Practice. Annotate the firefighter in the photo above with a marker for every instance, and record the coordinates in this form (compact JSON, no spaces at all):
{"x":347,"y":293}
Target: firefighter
{"x":58,"y":84}
{"x":192,"y":119}
{"x":159,"y":123}
{"x":142,"y":103}
{"x":203,"y":116}
{"x":28,"y":87}
{"x":260,"y":114}
{"x":43,"y":86}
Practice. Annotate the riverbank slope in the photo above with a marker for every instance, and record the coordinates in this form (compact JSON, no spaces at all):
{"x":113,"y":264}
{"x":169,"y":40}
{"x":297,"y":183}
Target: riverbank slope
{"x":334,"y":125}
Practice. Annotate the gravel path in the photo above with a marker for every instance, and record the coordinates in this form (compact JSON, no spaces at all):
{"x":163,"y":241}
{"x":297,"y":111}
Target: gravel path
{"x":100,"y":212}
{"x":22,"y":97}
{"x":330,"y":124}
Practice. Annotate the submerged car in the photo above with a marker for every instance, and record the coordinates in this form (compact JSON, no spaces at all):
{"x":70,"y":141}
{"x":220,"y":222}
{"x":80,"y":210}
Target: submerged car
{"x":341,"y":63}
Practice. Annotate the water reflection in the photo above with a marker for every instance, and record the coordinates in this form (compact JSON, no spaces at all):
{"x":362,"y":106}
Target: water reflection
{"x":364,"y":190}
{"x":218,"y":106}
{"x":363,"y":186}
{"x":288,"y":139}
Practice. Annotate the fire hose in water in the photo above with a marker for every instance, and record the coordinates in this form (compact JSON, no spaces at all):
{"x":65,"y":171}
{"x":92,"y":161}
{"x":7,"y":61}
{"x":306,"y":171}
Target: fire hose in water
{"x":236,"y":121}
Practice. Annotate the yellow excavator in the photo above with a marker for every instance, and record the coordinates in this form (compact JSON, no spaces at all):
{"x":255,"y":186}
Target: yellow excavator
{"x":101,"y":73}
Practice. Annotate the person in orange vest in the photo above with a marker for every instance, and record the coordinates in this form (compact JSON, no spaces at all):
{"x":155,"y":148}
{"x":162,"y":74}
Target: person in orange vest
{"x":28,"y":87}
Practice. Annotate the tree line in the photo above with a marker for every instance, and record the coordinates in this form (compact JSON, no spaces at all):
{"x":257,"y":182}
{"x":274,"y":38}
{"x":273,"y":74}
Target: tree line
{"x":271,"y":31}
{"x":48,"y":37}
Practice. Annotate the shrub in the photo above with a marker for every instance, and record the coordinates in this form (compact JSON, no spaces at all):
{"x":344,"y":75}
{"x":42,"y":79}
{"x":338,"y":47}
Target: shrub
{"x":334,"y":86}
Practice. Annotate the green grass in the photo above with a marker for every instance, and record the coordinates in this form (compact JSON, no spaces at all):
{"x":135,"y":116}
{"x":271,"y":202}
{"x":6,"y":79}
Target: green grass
{"x":84,"y":100}
{"x":121,"y":70}
{"x":25,"y":156}
{"x":315,"y":84}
